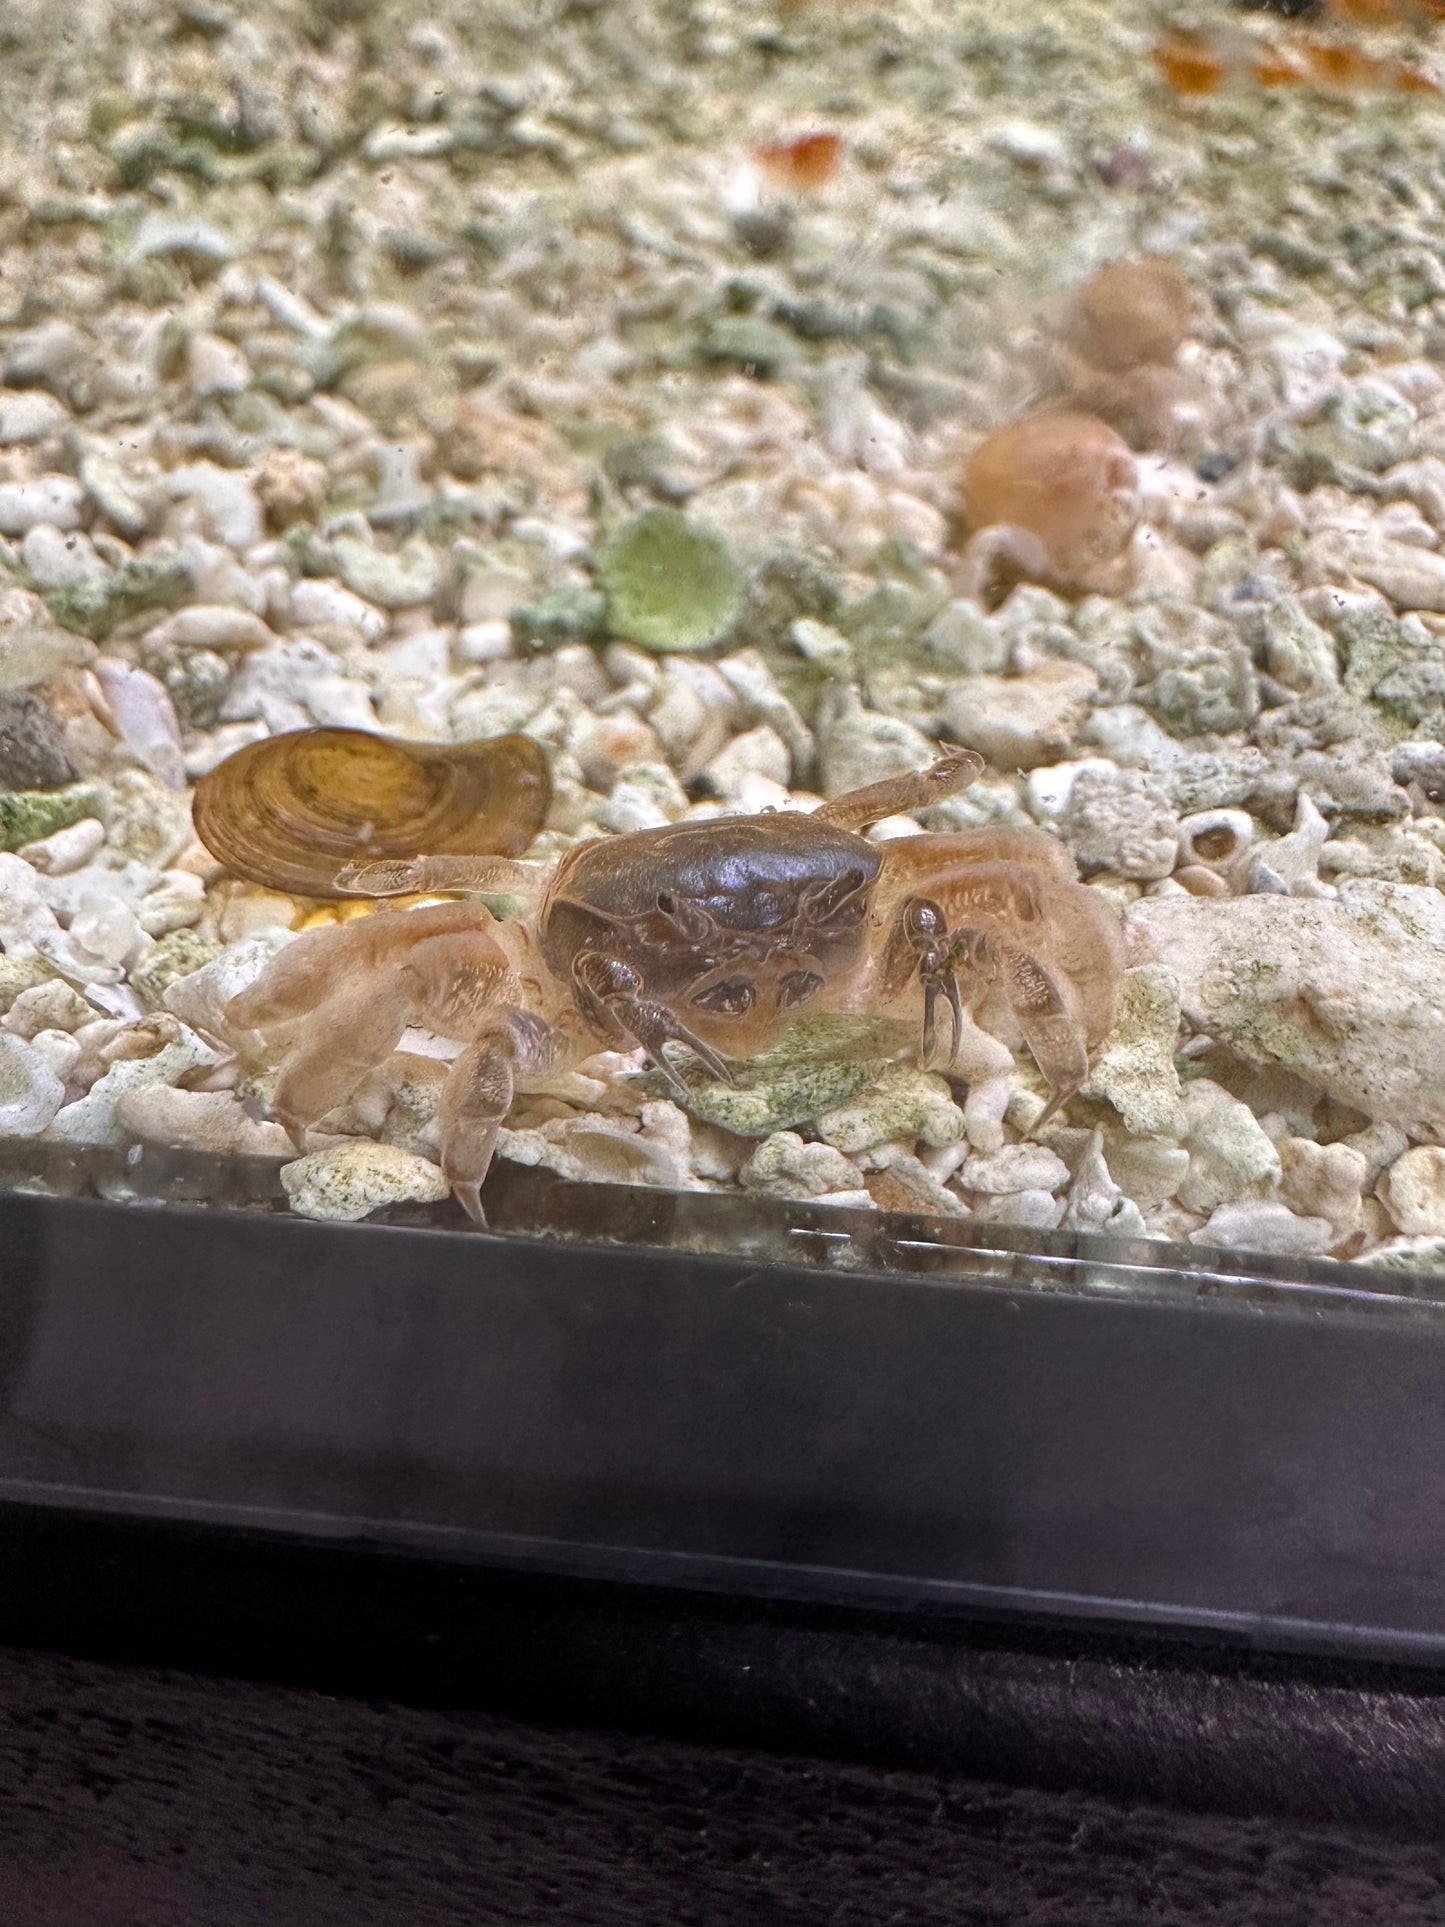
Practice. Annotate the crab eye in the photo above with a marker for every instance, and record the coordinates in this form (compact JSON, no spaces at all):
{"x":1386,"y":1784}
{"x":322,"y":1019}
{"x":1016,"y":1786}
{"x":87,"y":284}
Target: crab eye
{"x":732,"y":998}
{"x":797,"y":987}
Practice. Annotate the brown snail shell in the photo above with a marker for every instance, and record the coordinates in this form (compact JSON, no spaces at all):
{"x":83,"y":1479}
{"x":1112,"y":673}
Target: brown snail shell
{"x":291,"y":811}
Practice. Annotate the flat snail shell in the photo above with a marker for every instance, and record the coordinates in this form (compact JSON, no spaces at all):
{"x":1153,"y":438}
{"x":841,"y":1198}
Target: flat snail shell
{"x":291,"y":811}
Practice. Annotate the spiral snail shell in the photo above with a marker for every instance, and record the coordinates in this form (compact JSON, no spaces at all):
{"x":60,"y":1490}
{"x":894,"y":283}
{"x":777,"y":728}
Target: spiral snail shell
{"x":291,"y":811}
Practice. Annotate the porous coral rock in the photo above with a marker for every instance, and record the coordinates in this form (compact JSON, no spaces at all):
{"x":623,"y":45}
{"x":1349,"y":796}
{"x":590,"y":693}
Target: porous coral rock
{"x":92,"y":1119}
{"x":1120,"y":821}
{"x":1350,"y":995}
{"x":786,"y":1166}
{"x":1229,"y":1153}
{"x":212,"y":1121}
{"x":1134,"y":1067}
{"x":349,"y":1181}
{"x":1016,"y":1167}
{"x":1018,"y":721}
{"x":1413,"y":1192}
{"x":1323,"y":1181}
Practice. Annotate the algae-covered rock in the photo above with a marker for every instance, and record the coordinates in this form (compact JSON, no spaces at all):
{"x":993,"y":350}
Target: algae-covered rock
{"x":813,"y":1068}
{"x":759,"y":346}
{"x":19,"y":974}
{"x":391,"y":579}
{"x":351,"y":1180}
{"x":561,"y":616}
{"x":669,"y":584}
{"x":174,"y":956}
{"x":906,"y":1103}
{"x":26,"y":816}
{"x":98,"y":604}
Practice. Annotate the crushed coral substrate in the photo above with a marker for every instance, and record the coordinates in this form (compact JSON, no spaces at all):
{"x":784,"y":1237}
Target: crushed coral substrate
{"x":612,"y":376}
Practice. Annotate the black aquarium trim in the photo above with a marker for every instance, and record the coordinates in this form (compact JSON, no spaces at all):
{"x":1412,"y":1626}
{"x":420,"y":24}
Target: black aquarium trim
{"x":891,"y":1417}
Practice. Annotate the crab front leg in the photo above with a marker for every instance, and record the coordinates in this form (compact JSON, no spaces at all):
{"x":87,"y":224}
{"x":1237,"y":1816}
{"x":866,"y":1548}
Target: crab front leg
{"x":610,"y":995}
{"x":988,"y":917}
{"x":480,"y":1091}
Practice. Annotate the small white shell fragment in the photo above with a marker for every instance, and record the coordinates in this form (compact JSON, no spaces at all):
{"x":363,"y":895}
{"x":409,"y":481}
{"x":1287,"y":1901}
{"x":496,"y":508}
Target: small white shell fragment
{"x":30,"y":1091}
{"x":211,"y":626}
{"x":144,"y":717}
{"x":212,"y":1121}
{"x":1265,"y":1225}
{"x":65,"y":850}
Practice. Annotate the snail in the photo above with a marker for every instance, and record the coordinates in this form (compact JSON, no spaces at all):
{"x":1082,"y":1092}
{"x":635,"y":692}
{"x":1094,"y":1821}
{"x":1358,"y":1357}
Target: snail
{"x":290,"y":811}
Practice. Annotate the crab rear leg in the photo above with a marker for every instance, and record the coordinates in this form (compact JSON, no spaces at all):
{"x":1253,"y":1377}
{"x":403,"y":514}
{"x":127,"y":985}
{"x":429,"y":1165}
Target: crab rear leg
{"x":339,"y":1043}
{"x":1052,"y":1029}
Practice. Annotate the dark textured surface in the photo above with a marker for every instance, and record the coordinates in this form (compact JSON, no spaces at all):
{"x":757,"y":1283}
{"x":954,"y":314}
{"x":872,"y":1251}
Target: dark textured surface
{"x":134,"y":1798}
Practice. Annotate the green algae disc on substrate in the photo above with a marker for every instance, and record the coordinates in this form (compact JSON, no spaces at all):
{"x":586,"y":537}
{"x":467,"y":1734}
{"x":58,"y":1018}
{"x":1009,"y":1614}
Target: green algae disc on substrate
{"x":816,"y":1065}
{"x":669,"y":585}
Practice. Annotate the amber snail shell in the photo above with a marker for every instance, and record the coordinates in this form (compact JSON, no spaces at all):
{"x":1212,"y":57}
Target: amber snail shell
{"x":291,"y":811}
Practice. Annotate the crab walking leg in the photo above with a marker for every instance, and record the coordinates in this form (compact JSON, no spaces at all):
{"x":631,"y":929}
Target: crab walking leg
{"x":478,"y":1095}
{"x":415,"y":876}
{"x":897,"y":794}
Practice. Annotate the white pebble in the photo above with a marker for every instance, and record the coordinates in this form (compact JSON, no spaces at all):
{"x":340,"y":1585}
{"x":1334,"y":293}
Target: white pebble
{"x":211,"y":626}
{"x":485,"y":641}
{"x":30,"y":1091}
{"x":1017,"y":1167}
{"x":1265,"y":1225}
{"x":56,"y":499}
{"x":30,"y":416}
{"x":60,"y":1050}
{"x":49,"y":1006}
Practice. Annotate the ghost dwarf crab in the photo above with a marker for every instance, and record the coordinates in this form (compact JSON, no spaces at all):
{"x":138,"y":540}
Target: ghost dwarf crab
{"x":711,"y":935}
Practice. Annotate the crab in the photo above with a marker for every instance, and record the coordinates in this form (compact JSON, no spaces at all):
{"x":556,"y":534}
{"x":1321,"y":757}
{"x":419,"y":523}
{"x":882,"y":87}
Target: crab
{"x":705,"y":936}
